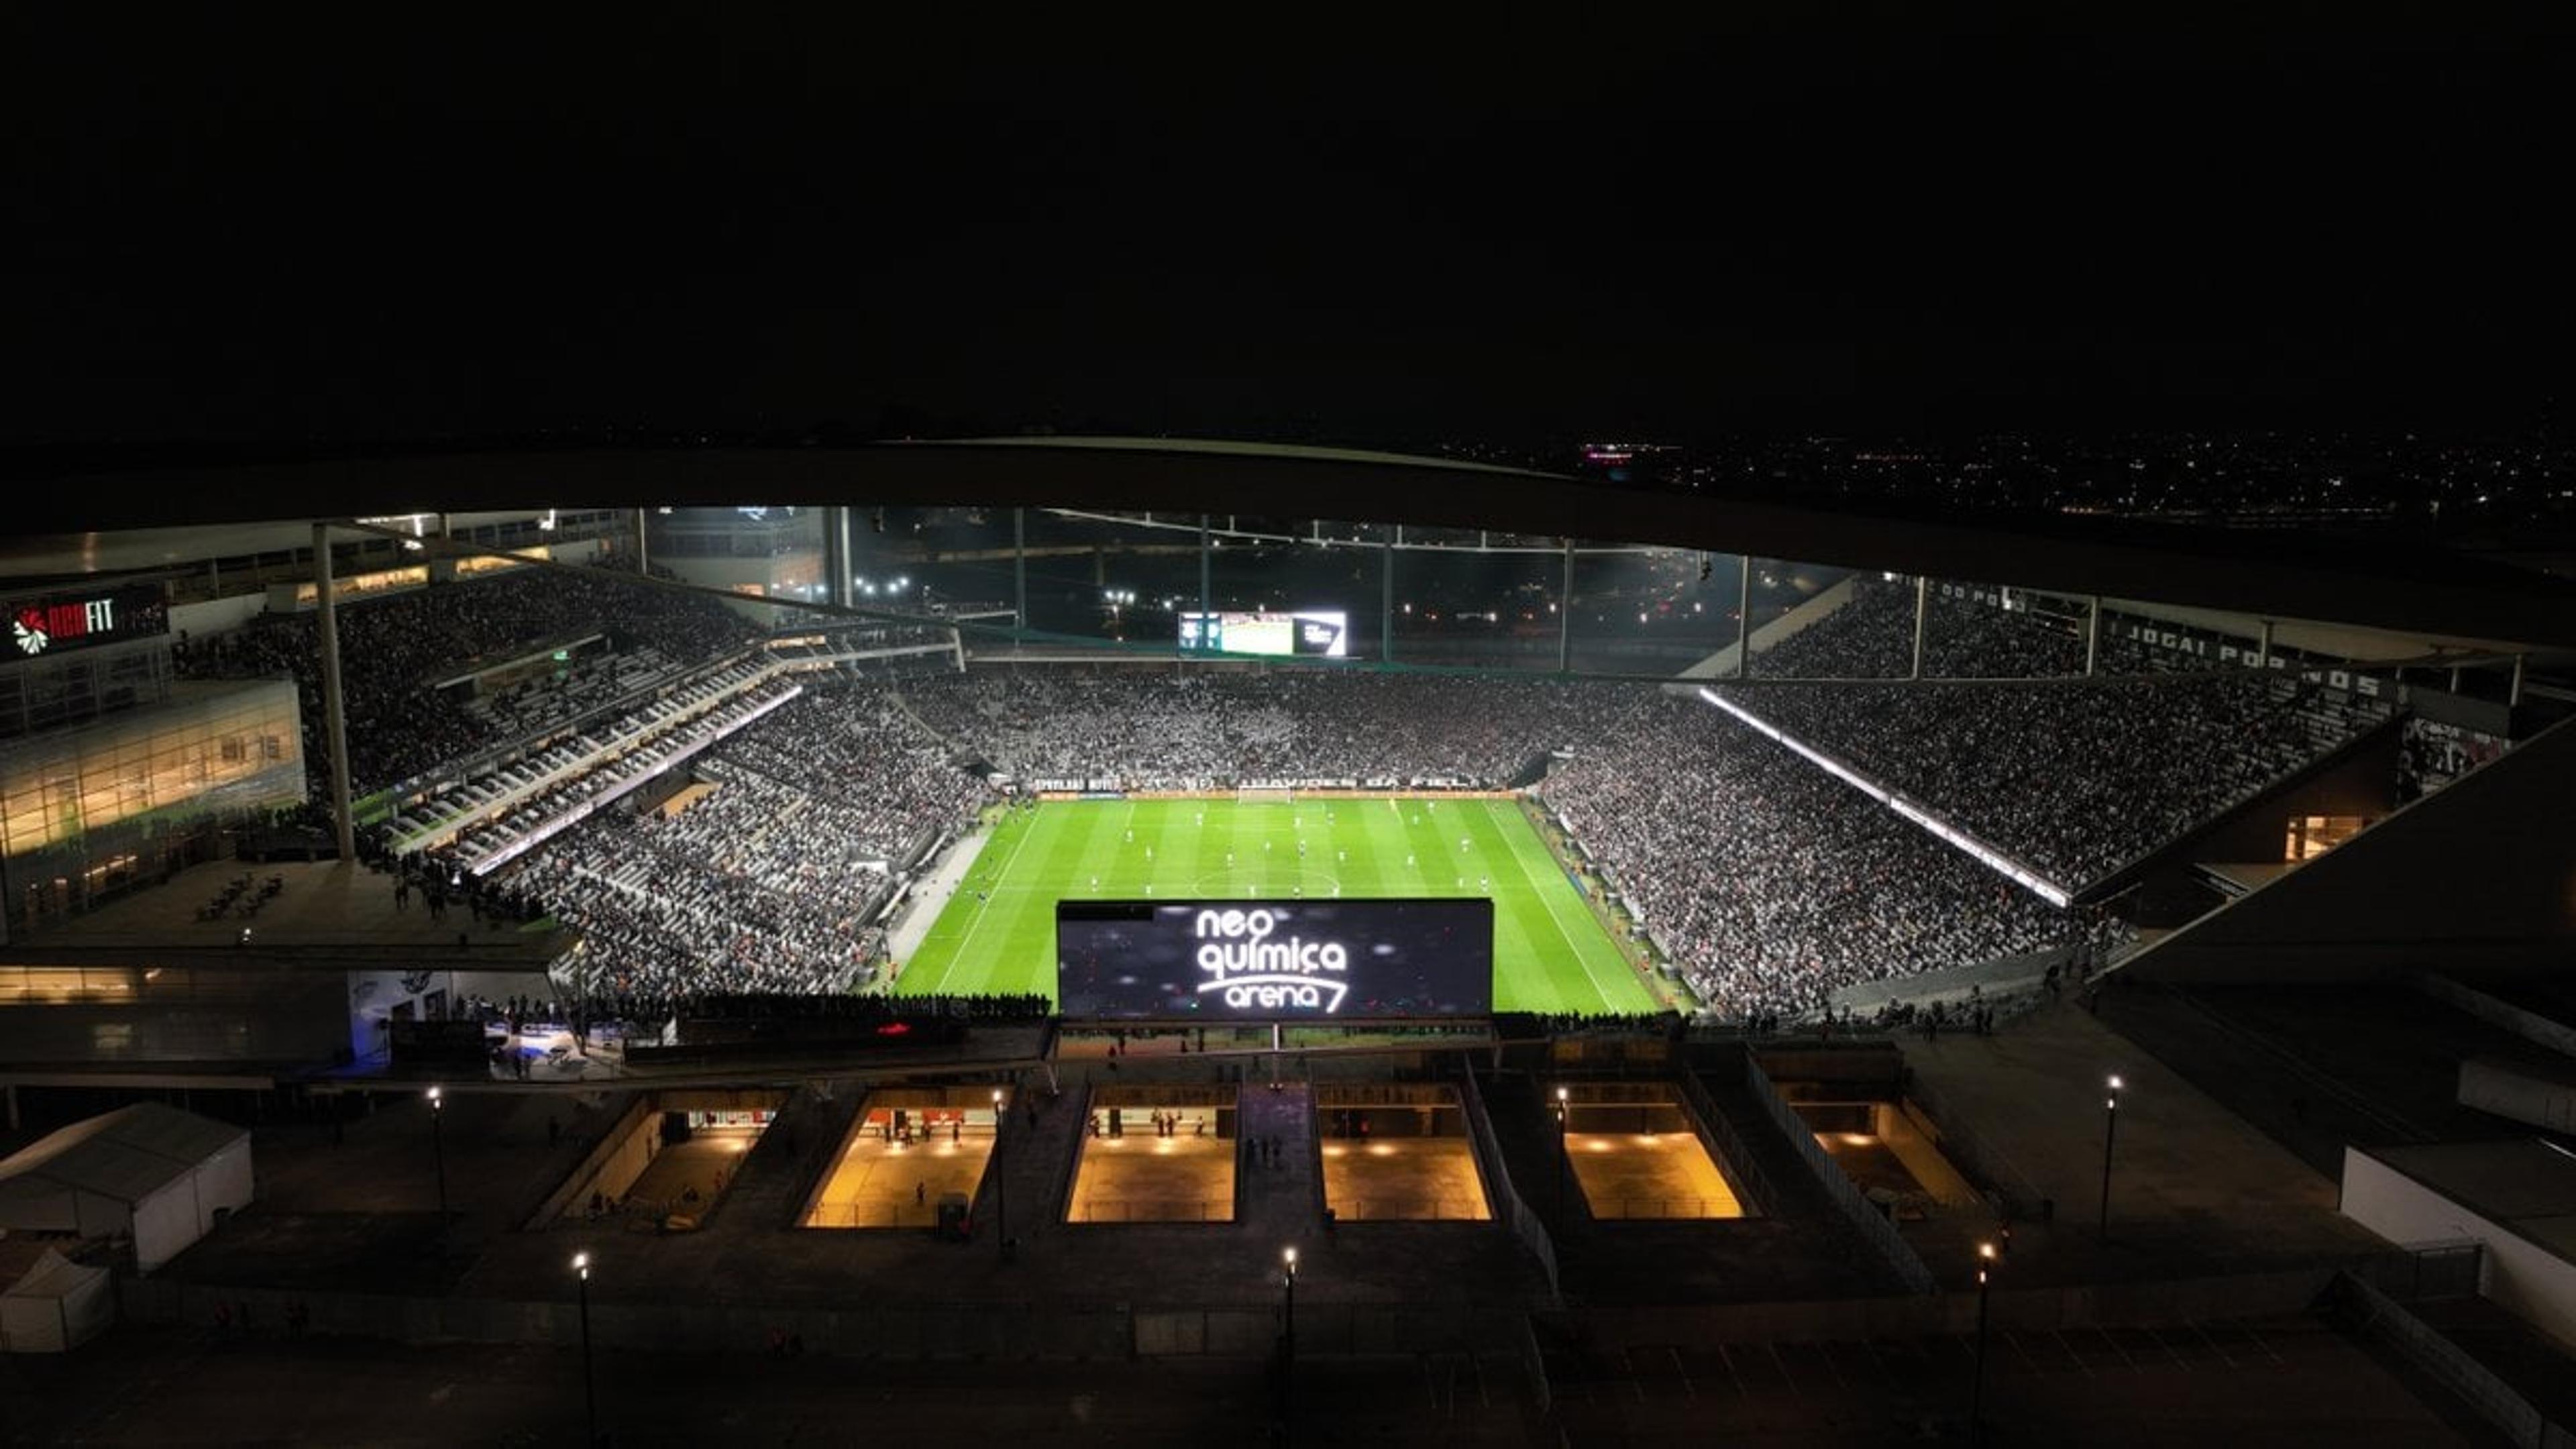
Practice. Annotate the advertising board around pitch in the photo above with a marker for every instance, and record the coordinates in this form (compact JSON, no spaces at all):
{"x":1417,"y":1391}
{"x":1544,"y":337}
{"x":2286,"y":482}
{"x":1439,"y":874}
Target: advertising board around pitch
{"x":1294,"y":960}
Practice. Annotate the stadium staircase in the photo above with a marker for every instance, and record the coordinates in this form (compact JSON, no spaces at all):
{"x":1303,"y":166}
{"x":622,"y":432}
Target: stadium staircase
{"x":1039,"y":1157}
{"x":1283,"y":1198}
{"x":1776,"y":1161}
{"x":803,"y":1142}
{"x":904,"y":707}
{"x":1525,"y":1130}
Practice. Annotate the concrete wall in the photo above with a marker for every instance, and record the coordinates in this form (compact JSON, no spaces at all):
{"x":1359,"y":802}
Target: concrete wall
{"x":2522,"y":1096}
{"x":1002,"y":1330}
{"x":1914,"y":1139}
{"x":998,"y":1330}
{"x":2519,"y":1274}
{"x":1857,"y":1071}
{"x":216,"y":615}
{"x":2482,"y":874}
{"x":610,"y":1167}
{"x":2531,"y":1026}
{"x":2031,"y":1310}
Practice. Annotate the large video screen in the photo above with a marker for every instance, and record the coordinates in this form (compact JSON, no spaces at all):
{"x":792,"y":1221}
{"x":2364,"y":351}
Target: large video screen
{"x":1321,"y":633}
{"x":1275,"y":960}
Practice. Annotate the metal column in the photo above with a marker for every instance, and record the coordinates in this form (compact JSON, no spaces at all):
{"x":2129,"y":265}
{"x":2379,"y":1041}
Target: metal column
{"x":643,"y":556}
{"x":2513,"y":696}
{"x":335,"y":720}
{"x":1386,"y":603}
{"x":1565,"y":615}
{"x":2263,"y":654}
{"x":2093,"y":638}
{"x":836,"y":555}
{"x":1204,"y":622}
{"x":1744,"y":617}
{"x":1922,"y":608}
{"x":1020,"y":570}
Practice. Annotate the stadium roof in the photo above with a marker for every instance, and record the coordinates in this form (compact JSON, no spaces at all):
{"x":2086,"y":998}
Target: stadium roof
{"x":2266,"y":574}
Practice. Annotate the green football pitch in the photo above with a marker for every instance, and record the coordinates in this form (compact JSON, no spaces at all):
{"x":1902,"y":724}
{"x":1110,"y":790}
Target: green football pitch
{"x":998,"y":933}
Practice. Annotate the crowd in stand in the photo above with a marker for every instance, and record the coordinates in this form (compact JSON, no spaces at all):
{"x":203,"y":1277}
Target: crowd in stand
{"x":1521,"y":1025}
{"x":393,"y":650}
{"x":2073,"y":780}
{"x":1162,"y":731}
{"x":1871,"y":636}
{"x":626,"y":753}
{"x":1768,"y":883}
{"x":550,"y":702}
{"x":645,"y":1013}
{"x":870,"y":1009}
{"x":774,"y":880}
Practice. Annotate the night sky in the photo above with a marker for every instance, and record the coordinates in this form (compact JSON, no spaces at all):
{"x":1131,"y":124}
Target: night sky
{"x":1289,"y":223}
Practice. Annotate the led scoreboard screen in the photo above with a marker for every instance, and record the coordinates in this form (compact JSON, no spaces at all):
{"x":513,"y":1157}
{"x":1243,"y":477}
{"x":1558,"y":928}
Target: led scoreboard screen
{"x":1318,"y":633}
{"x":1275,"y":960}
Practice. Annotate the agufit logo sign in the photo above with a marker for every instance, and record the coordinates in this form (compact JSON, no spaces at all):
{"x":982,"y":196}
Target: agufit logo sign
{"x":1250,"y":969}
{"x":39,"y":626}
{"x":43,"y":627}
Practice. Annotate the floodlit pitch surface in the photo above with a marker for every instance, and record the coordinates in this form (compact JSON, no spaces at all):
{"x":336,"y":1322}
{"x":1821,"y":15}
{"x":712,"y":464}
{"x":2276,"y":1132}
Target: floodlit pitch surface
{"x":998,"y":933}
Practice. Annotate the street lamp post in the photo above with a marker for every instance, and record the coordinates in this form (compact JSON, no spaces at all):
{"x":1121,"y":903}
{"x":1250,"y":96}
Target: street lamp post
{"x":1564,"y":1152}
{"x":1288,"y":1298}
{"x":1288,"y":1332}
{"x":589,"y":1383}
{"x":1001,"y":1186}
{"x":2110,"y":1130}
{"x":1977,"y":1393}
{"x":438,"y":1152}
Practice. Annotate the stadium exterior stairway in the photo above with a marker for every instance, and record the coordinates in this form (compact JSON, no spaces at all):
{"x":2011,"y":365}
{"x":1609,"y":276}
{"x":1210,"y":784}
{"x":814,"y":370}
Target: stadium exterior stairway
{"x":1720,"y":1070}
{"x":1037,"y":1148}
{"x":1525,"y":1129}
{"x":1283,"y":1198}
{"x":782,"y":1169}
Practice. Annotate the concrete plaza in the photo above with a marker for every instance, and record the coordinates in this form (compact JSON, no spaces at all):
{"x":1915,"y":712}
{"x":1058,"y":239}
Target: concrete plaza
{"x":1649,"y":1175}
{"x":1395,"y":1179}
{"x":883,"y":1183}
{"x":1144,"y":1178}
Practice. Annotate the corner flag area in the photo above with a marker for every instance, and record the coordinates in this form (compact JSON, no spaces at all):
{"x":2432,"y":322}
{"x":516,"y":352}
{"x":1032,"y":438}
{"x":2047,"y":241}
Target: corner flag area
{"x":997,"y":933}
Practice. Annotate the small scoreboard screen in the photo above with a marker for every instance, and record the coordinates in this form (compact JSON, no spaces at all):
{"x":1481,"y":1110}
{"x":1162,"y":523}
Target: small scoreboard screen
{"x":1275,"y":960}
{"x":1316,"y":633}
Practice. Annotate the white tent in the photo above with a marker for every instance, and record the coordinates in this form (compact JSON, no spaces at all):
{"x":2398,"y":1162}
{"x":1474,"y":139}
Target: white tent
{"x":57,"y":1307}
{"x":151,"y":1171}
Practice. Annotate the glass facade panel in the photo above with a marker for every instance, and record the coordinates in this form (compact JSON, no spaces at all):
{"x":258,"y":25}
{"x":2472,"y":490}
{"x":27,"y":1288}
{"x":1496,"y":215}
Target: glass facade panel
{"x":87,"y":812}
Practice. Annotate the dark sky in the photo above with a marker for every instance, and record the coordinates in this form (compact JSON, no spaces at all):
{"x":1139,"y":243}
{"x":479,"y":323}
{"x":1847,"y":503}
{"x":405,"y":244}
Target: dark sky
{"x":1285,"y":223}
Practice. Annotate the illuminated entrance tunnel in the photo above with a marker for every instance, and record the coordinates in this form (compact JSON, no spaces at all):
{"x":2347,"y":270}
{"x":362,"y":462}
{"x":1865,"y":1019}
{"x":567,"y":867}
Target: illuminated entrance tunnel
{"x":1157,"y":1155}
{"x":912,"y":1152}
{"x":669,"y":1160}
{"x":1398,"y":1152}
{"x":1634,"y":1152}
